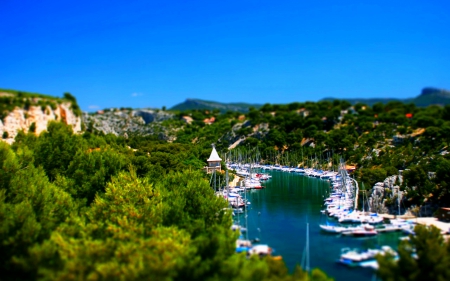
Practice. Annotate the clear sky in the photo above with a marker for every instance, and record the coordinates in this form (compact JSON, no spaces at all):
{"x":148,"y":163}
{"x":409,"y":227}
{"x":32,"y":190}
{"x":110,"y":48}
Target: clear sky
{"x":158,"y":53}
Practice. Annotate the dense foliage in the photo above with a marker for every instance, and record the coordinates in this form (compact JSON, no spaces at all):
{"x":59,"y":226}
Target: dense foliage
{"x":101,"y":207}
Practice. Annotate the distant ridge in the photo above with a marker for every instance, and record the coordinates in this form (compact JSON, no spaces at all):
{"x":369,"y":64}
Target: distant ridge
{"x":190,"y":104}
{"x":428,"y":96}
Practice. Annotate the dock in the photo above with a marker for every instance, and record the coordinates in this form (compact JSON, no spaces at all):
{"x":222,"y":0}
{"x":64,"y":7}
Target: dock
{"x":443,"y":226}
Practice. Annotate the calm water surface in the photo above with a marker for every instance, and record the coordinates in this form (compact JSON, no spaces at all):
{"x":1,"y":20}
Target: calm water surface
{"x":278,"y":216}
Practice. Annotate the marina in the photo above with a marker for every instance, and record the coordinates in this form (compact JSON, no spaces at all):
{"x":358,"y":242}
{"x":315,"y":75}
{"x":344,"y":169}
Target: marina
{"x":278,"y":213}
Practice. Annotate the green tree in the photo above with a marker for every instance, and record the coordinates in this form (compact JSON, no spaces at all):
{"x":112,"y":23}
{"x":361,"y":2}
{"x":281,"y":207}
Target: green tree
{"x":446,"y":112}
{"x":416,"y":176}
{"x":32,"y":127}
{"x":30,"y":209}
{"x":9,"y":165}
{"x":443,"y":181}
{"x":425,"y":256}
{"x":372,"y":176}
{"x":56,"y":148}
{"x":445,"y":133}
{"x":91,"y":170}
{"x":74,"y":105}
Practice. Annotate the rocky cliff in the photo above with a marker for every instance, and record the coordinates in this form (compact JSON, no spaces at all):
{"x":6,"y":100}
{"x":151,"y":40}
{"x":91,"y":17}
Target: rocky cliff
{"x":384,"y":196}
{"x":126,"y":121}
{"x":36,"y":119}
{"x":241,"y":131}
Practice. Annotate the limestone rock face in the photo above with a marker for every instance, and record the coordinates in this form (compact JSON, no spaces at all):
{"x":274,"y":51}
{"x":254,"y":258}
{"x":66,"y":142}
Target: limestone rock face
{"x":150,"y":116}
{"x":21,"y":119}
{"x":121,"y":122}
{"x":258,"y":131}
{"x":68,"y":117}
{"x":383,"y":191}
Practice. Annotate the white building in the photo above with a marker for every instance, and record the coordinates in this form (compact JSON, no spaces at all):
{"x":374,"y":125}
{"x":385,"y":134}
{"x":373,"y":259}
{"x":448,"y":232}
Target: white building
{"x":213,"y":162}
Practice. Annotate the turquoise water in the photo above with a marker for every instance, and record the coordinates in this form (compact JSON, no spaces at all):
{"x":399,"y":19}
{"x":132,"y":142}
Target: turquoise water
{"x":278,"y":216}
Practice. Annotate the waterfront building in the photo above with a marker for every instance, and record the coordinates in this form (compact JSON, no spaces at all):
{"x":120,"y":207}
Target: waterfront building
{"x":213,"y":162}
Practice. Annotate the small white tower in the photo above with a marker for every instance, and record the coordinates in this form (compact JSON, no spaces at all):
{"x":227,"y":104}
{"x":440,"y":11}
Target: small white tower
{"x":213,"y":161}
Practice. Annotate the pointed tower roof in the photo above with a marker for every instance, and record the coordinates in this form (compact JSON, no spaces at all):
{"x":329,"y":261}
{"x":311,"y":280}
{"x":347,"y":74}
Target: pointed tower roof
{"x":214,"y":156}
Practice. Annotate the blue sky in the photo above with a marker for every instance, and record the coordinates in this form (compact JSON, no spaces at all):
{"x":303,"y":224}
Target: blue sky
{"x":158,"y":53}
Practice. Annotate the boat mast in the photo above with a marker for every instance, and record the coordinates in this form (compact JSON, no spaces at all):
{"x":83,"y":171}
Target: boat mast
{"x":245,"y":213}
{"x":307,"y":247}
{"x":305,"y":258}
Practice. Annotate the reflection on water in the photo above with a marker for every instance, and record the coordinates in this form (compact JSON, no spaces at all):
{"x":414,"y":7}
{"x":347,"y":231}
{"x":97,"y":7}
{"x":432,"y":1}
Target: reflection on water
{"x":278,"y":215}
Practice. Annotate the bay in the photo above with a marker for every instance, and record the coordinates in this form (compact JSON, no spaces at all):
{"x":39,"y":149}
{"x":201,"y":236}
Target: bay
{"x":278,"y":216}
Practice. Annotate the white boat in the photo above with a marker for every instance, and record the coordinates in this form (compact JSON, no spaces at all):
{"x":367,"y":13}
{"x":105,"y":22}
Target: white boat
{"x":285,"y":169}
{"x":243,"y":245}
{"x":408,"y":230}
{"x":367,"y":230}
{"x":333,"y":228}
{"x":353,"y":217}
{"x":387,"y":228}
{"x":373,"y":219}
{"x":337,"y":213}
{"x":237,"y":189}
{"x":337,"y":206}
{"x":262,"y":176}
{"x":236,"y":203}
{"x":276,"y":167}
{"x":242,"y":173}
{"x":235,"y":227}
{"x":260,"y":250}
{"x":339,"y":229}
{"x":354,"y":257}
{"x":252,"y":184}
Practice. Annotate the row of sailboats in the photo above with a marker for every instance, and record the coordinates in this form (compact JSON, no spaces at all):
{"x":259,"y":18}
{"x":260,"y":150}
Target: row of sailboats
{"x":342,"y":205}
{"x":237,"y":199}
{"x":251,"y":180}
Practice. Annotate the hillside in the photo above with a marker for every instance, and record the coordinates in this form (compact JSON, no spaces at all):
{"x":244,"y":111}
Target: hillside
{"x":428,"y":96}
{"x":31,"y":112}
{"x":190,"y":104}
{"x":128,"y":121}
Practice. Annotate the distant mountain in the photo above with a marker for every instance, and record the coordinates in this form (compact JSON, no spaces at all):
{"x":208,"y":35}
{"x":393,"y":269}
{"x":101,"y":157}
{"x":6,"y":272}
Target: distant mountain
{"x":211,"y":105}
{"x":429,"y":96}
{"x":432,"y":96}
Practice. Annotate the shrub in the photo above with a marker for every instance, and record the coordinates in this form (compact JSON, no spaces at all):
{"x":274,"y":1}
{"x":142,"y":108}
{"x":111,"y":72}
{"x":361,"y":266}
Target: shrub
{"x":32,"y":127}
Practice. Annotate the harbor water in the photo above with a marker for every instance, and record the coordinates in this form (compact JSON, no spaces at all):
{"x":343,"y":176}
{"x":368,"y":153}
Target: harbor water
{"x":279,"y":214}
